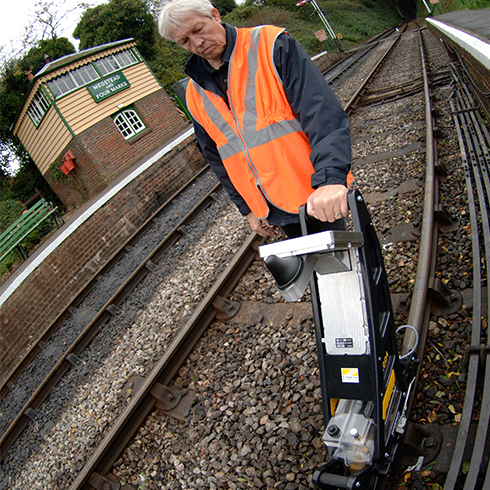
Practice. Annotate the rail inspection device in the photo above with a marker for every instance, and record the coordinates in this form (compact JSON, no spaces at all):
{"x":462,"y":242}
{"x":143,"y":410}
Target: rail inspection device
{"x":365,"y":384}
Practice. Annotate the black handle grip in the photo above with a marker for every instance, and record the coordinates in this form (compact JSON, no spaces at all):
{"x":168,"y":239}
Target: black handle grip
{"x":305,"y":218}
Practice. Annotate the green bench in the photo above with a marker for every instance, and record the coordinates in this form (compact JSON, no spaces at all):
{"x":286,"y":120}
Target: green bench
{"x":24,"y":225}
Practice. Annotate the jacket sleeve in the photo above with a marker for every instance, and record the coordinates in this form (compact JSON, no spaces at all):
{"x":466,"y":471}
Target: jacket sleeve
{"x":318,"y":110}
{"x":210,"y":152}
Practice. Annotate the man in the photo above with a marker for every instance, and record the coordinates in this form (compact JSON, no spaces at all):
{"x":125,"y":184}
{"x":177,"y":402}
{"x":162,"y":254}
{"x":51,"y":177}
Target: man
{"x":266,"y":120}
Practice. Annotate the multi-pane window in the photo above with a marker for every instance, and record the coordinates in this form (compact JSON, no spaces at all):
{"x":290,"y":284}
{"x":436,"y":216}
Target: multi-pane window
{"x":87,"y":73}
{"x":84,"y":74}
{"x":116,"y":61}
{"x":73,"y":79}
{"x":129,"y":123}
{"x":37,"y":108}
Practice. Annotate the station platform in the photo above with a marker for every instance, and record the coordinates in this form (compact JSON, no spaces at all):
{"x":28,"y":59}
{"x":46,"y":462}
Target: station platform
{"x":465,"y":34}
{"x":474,"y":22}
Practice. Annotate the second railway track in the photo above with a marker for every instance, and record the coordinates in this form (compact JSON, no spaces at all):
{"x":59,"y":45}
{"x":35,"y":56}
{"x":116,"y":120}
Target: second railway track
{"x":255,"y":417}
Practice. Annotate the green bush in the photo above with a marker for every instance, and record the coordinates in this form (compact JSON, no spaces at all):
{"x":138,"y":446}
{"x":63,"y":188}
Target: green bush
{"x":9,"y":211}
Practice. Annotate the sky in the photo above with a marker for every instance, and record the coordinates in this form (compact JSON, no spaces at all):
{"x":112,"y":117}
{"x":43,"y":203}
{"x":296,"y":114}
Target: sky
{"x":19,"y":14}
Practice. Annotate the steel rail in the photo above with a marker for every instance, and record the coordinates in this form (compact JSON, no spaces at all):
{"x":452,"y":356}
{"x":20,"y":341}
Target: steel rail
{"x":358,"y":54}
{"x":419,"y":312}
{"x":381,"y":37}
{"x":474,"y":143}
{"x":480,"y":160}
{"x":350,"y":105}
{"x":85,"y":289}
{"x":344,"y":65}
{"x":131,"y":418}
{"x":419,"y":308}
{"x":107,"y":311}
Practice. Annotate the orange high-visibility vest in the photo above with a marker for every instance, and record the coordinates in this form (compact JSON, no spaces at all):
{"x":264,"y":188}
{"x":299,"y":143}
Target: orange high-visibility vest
{"x":261,"y":143}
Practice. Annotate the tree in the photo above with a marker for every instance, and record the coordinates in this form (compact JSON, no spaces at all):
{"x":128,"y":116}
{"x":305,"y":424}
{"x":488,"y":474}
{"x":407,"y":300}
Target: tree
{"x":224,"y":6}
{"x":117,"y":20}
{"x":14,"y":84}
{"x":168,"y":64}
{"x":49,"y":17}
{"x":14,"y":87}
{"x":26,"y":181}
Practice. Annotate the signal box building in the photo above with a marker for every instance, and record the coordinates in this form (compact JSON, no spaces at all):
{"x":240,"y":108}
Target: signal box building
{"x":91,"y":115}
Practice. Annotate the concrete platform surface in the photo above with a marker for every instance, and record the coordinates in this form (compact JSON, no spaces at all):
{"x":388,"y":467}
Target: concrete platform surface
{"x":472,"y":21}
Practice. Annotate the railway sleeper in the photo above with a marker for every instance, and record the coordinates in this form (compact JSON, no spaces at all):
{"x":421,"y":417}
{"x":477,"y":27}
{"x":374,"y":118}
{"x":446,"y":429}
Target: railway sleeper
{"x":445,"y":301}
{"x":481,"y":350}
{"x":33,"y":416}
{"x":225,"y":309}
{"x":169,"y":399}
{"x":108,"y":482}
{"x":389,"y":95}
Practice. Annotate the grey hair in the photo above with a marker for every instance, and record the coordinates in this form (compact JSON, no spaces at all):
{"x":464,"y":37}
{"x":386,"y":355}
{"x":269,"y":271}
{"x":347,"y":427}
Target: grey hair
{"x":174,"y":12}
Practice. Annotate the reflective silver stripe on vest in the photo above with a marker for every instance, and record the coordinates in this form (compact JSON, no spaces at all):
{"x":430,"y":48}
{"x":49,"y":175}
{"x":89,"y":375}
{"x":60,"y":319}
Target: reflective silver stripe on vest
{"x":234,"y":144}
{"x":254,"y":137}
{"x":251,"y":136}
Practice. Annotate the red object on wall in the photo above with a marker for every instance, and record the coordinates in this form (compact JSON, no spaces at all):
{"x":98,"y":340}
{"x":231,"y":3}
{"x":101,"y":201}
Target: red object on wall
{"x":68,"y":164}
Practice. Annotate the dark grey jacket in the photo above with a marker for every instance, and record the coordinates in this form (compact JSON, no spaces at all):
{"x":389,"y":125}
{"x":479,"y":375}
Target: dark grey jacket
{"x":319,"y":112}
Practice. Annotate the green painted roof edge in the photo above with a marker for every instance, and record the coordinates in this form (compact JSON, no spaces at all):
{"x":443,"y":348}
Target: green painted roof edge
{"x":71,"y":58}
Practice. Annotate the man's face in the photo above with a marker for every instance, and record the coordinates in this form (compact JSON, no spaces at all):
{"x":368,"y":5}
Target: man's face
{"x":203,"y":36}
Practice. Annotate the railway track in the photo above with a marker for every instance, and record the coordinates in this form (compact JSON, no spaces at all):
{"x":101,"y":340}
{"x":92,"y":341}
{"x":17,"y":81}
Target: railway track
{"x":357,"y":56}
{"x":474,"y":142}
{"x":251,"y":381}
{"x":118,"y":279}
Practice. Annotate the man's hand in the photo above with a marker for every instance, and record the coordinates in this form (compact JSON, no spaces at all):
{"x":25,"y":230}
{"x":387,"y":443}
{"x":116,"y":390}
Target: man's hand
{"x":328,"y":203}
{"x":260,"y":226}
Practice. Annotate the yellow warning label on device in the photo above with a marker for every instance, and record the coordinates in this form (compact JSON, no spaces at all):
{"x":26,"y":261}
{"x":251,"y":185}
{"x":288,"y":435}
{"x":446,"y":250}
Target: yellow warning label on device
{"x":350,"y":375}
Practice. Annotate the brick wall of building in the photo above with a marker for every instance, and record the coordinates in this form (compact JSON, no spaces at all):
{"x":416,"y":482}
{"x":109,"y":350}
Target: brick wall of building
{"x":29,"y":311}
{"x":102,"y":153}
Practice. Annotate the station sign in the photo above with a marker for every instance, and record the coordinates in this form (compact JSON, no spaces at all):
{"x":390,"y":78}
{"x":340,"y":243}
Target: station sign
{"x":107,"y":86}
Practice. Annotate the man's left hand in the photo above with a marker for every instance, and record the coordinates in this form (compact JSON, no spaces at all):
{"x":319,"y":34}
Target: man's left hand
{"x":328,"y":203}
{"x":260,"y":226}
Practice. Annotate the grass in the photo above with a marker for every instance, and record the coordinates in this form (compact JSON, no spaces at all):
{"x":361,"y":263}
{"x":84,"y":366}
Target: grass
{"x":354,"y":20}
